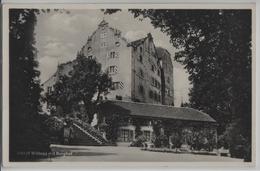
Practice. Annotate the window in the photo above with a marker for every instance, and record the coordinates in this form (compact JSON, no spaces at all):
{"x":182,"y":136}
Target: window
{"x":117,"y":85}
{"x":112,"y":54}
{"x":49,"y":89}
{"x":151,"y":94}
{"x":168,"y":79}
{"x":170,"y":93}
{"x":158,"y":72}
{"x":152,"y":68}
{"x":103,"y":35}
{"x":158,"y":84}
{"x":104,"y":44}
{"x":112,"y":69}
{"x":126,"y":135}
{"x":119,"y":97}
{"x":117,"y":54}
{"x":90,"y":56}
{"x":166,"y":91}
{"x":117,"y":33}
{"x":89,"y":49}
{"x":141,"y":89}
{"x":117,"y":44}
{"x":155,"y":95}
{"x":141,"y":73}
{"x":141,"y":58}
{"x":147,"y":135}
{"x":153,"y":82}
{"x":141,"y":49}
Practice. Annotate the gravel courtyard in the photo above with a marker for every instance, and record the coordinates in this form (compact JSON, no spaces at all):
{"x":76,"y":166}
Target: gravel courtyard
{"x":129,"y":154}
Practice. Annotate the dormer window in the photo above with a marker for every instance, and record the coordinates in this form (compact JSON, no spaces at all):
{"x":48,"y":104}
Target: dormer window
{"x":117,"y":44}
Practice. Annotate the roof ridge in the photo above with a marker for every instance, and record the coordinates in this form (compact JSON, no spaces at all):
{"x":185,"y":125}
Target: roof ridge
{"x":165,"y":111}
{"x":151,"y":104}
{"x":138,"y":39}
{"x":49,"y":77}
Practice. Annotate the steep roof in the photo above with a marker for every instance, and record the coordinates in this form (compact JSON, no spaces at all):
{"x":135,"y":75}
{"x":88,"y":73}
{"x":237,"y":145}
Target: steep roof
{"x":164,"y":55}
{"x":158,"y":111}
{"x":161,"y":51}
{"x":60,"y":69}
{"x":137,"y":42}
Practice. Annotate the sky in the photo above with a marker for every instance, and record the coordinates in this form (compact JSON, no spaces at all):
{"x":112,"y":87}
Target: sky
{"x":59,"y":36}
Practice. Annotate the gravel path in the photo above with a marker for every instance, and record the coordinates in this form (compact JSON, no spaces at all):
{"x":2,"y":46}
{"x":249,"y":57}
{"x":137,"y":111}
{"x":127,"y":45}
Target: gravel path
{"x":129,"y":154}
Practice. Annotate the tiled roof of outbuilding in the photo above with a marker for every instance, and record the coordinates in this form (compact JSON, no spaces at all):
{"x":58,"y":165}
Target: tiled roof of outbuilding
{"x":159,"y":111}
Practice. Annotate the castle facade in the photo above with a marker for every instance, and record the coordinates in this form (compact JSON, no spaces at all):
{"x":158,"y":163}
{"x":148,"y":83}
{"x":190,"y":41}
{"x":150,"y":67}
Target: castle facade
{"x":140,"y":71}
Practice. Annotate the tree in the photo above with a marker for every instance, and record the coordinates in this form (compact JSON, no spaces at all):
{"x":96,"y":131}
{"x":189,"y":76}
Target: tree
{"x":82,"y":87}
{"x":215,"y":48}
{"x":24,"y":83}
{"x":113,"y":123}
{"x":26,"y":125}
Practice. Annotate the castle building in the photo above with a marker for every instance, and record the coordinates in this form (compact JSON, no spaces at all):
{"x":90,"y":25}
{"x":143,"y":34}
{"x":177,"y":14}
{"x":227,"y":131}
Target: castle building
{"x":135,"y":67}
{"x":142,"y":88}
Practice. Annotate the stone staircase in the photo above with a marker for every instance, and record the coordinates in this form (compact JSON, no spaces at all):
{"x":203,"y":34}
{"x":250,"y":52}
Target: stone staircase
{"x":85,"y":134}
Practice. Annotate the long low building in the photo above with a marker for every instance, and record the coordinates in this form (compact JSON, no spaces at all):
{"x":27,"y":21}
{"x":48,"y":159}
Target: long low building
{"x":134,"y":117}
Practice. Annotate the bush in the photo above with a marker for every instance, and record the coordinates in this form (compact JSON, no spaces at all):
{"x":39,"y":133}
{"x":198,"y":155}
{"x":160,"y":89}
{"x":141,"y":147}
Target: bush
{"x":176,"y":140}
{"x":54,"y":125}
{"x":54,"y":128}
{"x":161,"y":141}
{"x":113,"y":123}
{"x":239,"y":145}
{"x":139,"y":141}
{"x":223,"y":142}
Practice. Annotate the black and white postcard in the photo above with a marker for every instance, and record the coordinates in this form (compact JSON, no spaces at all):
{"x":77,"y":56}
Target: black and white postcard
{"x":139,"y":84}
